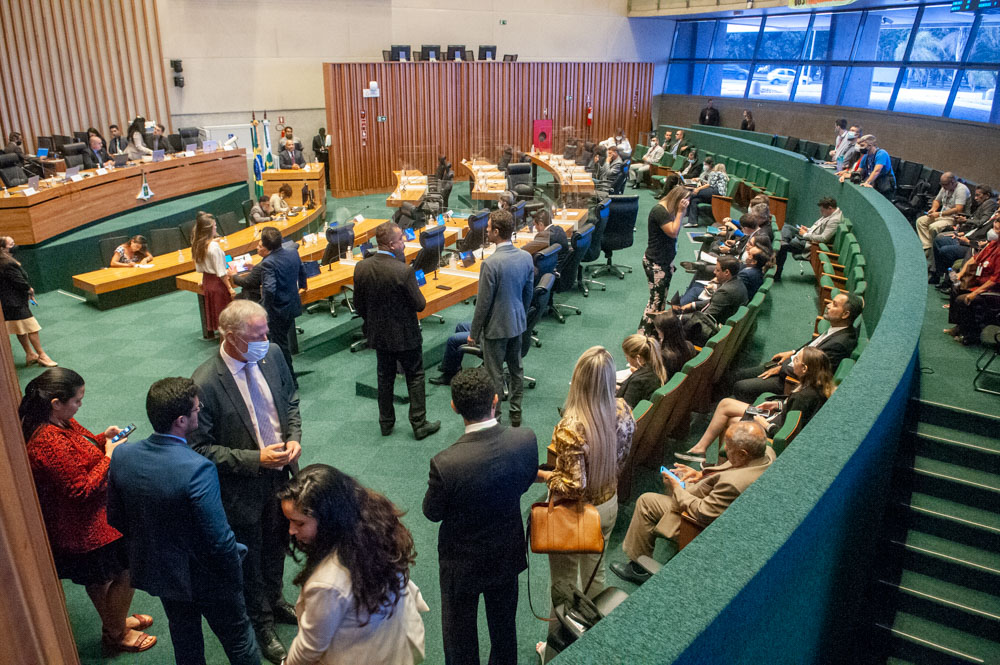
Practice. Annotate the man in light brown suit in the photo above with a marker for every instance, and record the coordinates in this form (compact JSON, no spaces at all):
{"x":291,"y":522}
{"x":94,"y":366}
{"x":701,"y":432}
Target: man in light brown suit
{"x":708,"y":493}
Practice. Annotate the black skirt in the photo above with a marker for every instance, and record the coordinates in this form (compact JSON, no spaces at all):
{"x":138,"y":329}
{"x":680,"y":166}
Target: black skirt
{"x":98,"y":566}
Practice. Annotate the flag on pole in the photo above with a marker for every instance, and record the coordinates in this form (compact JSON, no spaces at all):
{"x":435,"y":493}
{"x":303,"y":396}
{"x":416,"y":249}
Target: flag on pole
{"x":258,"y":159}
{"x":268,"y":157}
{"x":145,"y":193}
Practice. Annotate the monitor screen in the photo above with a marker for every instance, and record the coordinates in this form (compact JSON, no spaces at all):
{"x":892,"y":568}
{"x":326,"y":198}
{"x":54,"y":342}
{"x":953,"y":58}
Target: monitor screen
{"x":45,"y":142}
{"x":59,"y":141}
{"x":430,"y":52}
{"x":42,"y":153}
{"x":456,"y":51}
{"x":400,"y":53}
{"x":487,"y":52}
{"x":158,"y":155}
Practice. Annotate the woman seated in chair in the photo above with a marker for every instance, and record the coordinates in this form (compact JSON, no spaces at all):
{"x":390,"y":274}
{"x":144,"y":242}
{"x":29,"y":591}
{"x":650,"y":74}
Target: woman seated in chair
{"x":674,"y":347}
{"x":648,"y":372}
{"x":132,"y":253}
{"x":812,"y":369}
{"x":979,"y":275}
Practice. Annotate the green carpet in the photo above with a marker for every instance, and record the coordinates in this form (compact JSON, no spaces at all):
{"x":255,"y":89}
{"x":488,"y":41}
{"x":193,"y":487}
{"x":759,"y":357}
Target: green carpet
{"x":122,"y":351}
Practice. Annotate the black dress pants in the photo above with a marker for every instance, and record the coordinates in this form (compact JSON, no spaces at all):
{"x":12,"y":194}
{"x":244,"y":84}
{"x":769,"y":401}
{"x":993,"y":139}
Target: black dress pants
{"x":279,"y":329}
{"x":747,"y":386}
{"x":460,"y":614}
{"x":227,"y":617}
{"x":412,"y":363}
{"x":266,"y":541}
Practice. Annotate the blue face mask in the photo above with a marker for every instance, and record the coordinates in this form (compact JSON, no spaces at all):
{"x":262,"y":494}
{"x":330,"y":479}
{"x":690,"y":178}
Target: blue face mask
{"x":256,"y":351}
{"x":852,"y":135}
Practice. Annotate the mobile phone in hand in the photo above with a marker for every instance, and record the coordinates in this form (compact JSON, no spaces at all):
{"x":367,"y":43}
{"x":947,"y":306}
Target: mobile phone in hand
{"x":123,"y":433}
{"x":673,"y":475}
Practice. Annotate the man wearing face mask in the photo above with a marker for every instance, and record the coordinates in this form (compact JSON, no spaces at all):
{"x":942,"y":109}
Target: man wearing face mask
{"x":249,"y":426}
{"x":848,"y":148}
{"x":30,"y":163}
{"x":387,"y":297}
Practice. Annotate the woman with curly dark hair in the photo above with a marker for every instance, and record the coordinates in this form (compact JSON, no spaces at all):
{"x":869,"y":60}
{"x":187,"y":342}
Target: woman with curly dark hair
{"x":357,"y":604}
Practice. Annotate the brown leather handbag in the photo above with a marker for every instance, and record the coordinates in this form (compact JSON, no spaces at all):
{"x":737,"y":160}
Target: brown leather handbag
{"x":565,"y":527}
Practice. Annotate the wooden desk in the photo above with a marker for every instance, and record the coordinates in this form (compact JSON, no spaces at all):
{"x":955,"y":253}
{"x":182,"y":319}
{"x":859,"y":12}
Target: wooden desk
{"x":107,"y":280}
{"x":411,"y":186}
{"x":313,"y":175}
{"x":572,"y":179}
{"x":61,"y":207}
{"x":488,"y":182}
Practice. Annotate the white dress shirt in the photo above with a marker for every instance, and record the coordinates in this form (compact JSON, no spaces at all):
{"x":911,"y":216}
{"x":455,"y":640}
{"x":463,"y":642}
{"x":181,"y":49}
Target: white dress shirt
{"x":236,"y":368}
{"x":475,"y":427}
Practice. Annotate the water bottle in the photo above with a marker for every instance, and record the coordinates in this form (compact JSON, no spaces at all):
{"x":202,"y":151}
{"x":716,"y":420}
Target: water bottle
{"x":953,"y":276}
{"x":840,"y":162}
{"x":180,"y":256}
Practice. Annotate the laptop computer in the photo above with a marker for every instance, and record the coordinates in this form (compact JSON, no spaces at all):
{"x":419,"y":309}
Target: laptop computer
{"x":158,"y":155}
{"x":33,"y":182}
{"x":209,"y":146}
{"x":70,"y":172}
{"x":190,"y":147}
{"x":121,"y":160}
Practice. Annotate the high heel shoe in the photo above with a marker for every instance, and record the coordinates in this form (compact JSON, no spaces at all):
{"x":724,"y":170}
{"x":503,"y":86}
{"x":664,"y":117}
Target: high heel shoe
{"x":45,"y":361}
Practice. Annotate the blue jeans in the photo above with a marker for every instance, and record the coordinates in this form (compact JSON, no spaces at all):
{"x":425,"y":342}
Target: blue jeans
{"x":228,"y":620}
{"x":947,"y":250}
{"x":452,"y":362}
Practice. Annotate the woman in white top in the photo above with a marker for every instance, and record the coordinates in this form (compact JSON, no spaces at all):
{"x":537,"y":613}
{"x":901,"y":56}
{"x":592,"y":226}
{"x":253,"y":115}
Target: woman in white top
{"x":279,"y":206}
{"x":357,"y":604}
{"x":210,"y":261}
{"x":136,"y":147}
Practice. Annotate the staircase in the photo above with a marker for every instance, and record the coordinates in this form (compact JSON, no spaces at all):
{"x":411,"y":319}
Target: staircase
{"x":937,"y":585}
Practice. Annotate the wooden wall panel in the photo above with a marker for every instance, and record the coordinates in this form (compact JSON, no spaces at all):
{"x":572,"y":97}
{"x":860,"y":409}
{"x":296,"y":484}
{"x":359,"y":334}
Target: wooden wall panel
{"x":74,"y":64}
{"x":469,"y":110}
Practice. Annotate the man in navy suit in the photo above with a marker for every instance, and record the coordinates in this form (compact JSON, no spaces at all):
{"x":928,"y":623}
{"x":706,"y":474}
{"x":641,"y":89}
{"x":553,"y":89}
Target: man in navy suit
{"x":250,"y":427}
{"x":291,"y":157}
{"x":282,"y":275}
{"x":164,"y":497}
{"x":475,"y":490}
{"x":506,"y":286}
{"x":158,"y":141}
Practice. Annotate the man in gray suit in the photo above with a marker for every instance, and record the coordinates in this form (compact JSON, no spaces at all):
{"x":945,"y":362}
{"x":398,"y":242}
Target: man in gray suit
{"x":249,"y":426}
{"x":705,"y":495}
{"x":506,"y":285}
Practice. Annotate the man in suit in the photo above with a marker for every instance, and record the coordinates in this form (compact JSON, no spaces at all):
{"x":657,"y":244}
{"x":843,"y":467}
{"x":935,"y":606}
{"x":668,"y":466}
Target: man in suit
{"x":796,"y":239}
{"x":729,"y":296}
{"x":321,"y":148}
{"x":291,"y":157}
{"x":249,"y":283}
{"x":116,"y":142}
{"x":547,"y":233}
{"x":474,"y":490}
{"x":164,"y":498}
{"x":838,"y":342}
{"x":282,"y":275}
{"x":387,"y":297}
{"x":158,"y":141}
{"x":706,"y":495}
{"x":709,"y":115}
{"x":96,"y":156}
{"x":639,"y":173}
{"x":506,"y":286}
{"x":288,"y":134}
{"x":250,"y":427}
{"x":612,"y":171}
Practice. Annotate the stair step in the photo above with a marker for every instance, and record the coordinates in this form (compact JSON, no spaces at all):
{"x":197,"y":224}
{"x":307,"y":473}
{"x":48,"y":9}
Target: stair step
{"x":944,"y":509}
{"x":929,"y":642}
{"x":955,"y":482}
{"x":939,"y":517}
{"x":987,"y":441}
{"x":960,"y":607}
{"x":957,"y":554}
{"x":965,"y":420}
{"x":962,"y":448}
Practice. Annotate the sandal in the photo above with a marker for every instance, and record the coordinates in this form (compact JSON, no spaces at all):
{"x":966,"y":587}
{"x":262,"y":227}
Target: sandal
{"x":144,"y":621}
{"x":142,"y":643}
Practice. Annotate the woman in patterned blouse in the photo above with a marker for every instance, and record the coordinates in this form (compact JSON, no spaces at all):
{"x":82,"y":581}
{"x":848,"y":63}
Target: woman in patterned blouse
{"x":716,"y":182}
{"x":591,"y":443}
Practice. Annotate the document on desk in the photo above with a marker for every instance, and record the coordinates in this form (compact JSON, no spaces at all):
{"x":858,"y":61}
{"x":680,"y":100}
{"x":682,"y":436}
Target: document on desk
{"x":454,"y":272}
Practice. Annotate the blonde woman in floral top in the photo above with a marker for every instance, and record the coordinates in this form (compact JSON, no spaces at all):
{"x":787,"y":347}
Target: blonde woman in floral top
{"x":591,"y":443}
{"x":716,"y":182}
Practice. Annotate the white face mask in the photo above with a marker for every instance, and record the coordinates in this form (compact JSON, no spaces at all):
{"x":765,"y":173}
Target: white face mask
{"x":991,"y":235}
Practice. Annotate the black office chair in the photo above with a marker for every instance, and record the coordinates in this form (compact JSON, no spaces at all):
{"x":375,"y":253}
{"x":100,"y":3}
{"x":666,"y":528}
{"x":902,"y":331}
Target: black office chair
{"x":81,"y":137}
{"x":175,"y":142}
{"x":386,"y":55}
{"x":539,"y":304}
{"x":228,"y":223}
{"x":188,"y":136}
{"x":339,"y":240}
{"x":570,"y":273}
{"x":107,"y":247}
{"x":519,"y":181}
{"x":476,"y":236}
{"x":408,"y":216}
{"x":428,"y":258}
{"x":73,"y":154}
{"x":792,"y":144}
{"x":569,"y":152}
{"x":11,"y":171}
{"x":59,"y":141}
{"x":517,"y":211}
{"x":510,"y":57}
{"x":247,"y":206}
{"x":599,"y":215}
{"x":469,"y":57}
{"x":619,"y":185}
{"x":187,"y":228}
{"x":618,"y":234}
{"x":163,"y":242}
{"x":587,"y":155}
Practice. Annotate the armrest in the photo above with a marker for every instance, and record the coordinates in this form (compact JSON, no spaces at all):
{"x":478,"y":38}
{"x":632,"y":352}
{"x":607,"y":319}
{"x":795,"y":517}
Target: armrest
{"x":649,"y":564}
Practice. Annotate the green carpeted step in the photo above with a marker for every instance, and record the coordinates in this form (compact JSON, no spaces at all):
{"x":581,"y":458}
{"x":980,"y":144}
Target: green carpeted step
{"x":968,"y":485}
{"x":930,"y":642}
{"x":898,"y":661}
{"x":971,"y":610}
{"x":946,"y":444}
{"x":971,"y":516}
{"x":964,"y":420}
{"x":956,"y":554}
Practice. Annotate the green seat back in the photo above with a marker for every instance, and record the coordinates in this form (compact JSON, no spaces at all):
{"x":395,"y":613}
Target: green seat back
{"x":678,"y":163}
{"x":845,"y":367}
{"x":772,"y":182}
{"x":752,"y":172}
{"x":791,"y":427}
{"x":741,"y":169}
{"x":782,"y":189}
{"x":639,"y":152}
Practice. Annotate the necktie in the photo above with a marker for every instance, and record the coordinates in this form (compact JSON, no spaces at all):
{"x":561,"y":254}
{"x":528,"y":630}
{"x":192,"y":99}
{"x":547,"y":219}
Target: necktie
{"x":259,"y":405}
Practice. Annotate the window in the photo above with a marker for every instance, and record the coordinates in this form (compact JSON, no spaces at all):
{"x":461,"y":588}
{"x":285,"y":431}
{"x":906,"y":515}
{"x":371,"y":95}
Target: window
{"x":924,"y":90}
{"x":783,"y":37}
{"x":693,"y":39}
{"x":986,"y":43}
{"x":728,"y":80}
{"x":974,"y":99}
{"x":737,"y":38}
{"x":942,"y":35}
{"x":818,"y":42}
{"x":894,"y":27}
{"x":773,"y":81}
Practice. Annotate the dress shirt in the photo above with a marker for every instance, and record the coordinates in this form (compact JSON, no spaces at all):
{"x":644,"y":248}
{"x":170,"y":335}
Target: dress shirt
{"x":816,"y":342}
{"x":653,"y":155}
{"x":475,"y":427}
{"x":236,"y":368}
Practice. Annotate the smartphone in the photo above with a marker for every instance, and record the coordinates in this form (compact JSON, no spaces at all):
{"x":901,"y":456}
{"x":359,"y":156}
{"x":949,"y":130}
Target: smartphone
{"x":754,"y":411}
{"x":673,"y":475}
{"x":124,"y":433}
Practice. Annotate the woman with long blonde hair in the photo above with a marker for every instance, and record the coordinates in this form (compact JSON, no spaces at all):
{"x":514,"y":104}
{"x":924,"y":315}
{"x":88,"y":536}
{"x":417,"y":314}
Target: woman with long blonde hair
{"x":210,"y":261}
{"x":648,"y":373}
{"x":591,"y":443}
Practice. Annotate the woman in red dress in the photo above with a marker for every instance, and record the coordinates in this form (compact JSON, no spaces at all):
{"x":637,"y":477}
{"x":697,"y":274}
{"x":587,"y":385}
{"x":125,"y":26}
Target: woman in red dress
{"x":70,"y":467}
{"x":210,"y":261}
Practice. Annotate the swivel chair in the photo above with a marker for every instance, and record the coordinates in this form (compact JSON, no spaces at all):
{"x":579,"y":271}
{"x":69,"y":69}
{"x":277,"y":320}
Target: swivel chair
{"x":587,"y":155}
{"x":519,"y":181}
{"x":619,"y":185}
{"x":518,"y":213}
{"x":428,"y":258}
{"x":475,"y":238}
{"x":247,"y":206}
{"x":569,"y":152}
{"x":107,"y":246}
{"x":339,"y":239}
{"x":618,"y":234}
{"x":228,"y":223}
{"x":10,"y":170}
{"x":407,"y":216}
{"x":599,"y":214}
{"x":187,"y":228}
{"x":73,"y":154}
{"x":81,"y":137}
{"x":190,"y":135}
{"x":546,"y":261}
{"x":165,"y":241}
{"x":175,"y":142}
{"x":569,"y":275}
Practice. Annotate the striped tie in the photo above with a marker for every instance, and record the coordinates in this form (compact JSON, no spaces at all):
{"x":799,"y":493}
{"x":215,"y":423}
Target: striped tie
{"x":259,"y":404}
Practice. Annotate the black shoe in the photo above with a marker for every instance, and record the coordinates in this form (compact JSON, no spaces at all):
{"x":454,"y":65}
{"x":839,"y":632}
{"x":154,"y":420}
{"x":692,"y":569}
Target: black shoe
{"x":630,"y":572}
{"x":932,"y":278}
{"x":386,"y":429}
{"x":284,"y":613}
{"x":800,"y":257}
{"x":689,"y":266}
{"x":426,"y":429}
{"x":515,"y":420}
{"x":270,"y":646}
{"x":442,"y":379}
{"x":777,"y":278}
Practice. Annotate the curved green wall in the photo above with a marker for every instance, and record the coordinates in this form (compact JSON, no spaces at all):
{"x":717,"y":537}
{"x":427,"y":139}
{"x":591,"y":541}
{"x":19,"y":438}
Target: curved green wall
{"x":780,"y":577}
